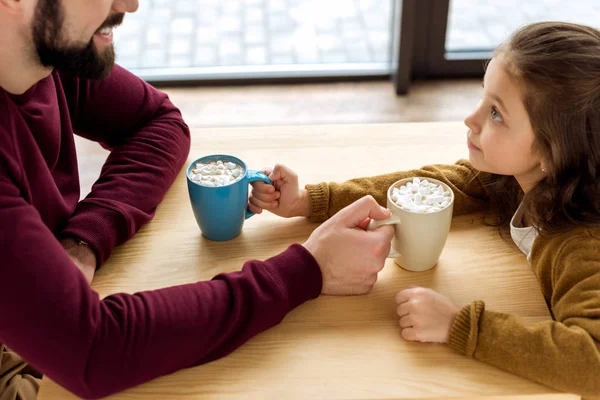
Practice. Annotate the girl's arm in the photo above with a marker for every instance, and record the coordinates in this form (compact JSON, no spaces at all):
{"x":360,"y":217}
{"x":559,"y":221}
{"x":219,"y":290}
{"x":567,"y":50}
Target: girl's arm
{"x":328,"y":198}
{"x":563,"y":354}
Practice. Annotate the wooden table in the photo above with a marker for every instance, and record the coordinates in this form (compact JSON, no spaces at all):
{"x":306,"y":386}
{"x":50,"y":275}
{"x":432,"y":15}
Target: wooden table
{"x":332,"y":347}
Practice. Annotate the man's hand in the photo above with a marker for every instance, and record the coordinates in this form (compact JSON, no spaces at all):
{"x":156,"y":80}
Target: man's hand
{"x":82,"y":256}
{"x":350,"y":257}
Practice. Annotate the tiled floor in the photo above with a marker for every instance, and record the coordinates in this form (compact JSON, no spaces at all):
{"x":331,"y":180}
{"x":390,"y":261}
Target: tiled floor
{"x":478,"y":25}
{"x":218,"y":33}
{"x":209,"y":33}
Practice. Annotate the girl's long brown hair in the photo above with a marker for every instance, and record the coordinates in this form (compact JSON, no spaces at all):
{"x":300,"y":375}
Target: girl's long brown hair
{"x":558,"y":65}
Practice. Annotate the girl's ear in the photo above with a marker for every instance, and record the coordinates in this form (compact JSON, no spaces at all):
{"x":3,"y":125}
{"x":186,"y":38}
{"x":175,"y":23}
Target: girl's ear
{"x":11,"y":6}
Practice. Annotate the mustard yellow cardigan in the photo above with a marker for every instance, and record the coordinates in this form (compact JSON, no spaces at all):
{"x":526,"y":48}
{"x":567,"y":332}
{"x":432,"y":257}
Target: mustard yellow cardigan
{"x":563,"y":353}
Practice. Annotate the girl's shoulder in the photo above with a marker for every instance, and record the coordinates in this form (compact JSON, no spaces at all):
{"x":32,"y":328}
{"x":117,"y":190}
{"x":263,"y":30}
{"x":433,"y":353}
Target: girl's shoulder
{"x":572,"y":256}
{"x":576,"y":233}
{"x":582,"y":232}
{"x":582,"y":240}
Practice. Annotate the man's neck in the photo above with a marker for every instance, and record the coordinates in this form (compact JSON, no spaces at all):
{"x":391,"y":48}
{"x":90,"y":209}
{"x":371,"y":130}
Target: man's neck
{"x":19,"y":71}
{"x":19,"y":85}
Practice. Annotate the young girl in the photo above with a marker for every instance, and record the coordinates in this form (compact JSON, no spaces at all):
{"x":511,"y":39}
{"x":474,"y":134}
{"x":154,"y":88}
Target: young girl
{"x":534,"y":158}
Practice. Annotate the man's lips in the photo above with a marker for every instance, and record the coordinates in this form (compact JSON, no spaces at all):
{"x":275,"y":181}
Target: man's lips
{"x":110,"y":23}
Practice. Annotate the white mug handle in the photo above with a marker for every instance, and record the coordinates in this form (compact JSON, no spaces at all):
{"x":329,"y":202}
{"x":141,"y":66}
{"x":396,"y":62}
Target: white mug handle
{"x":393,"y":220}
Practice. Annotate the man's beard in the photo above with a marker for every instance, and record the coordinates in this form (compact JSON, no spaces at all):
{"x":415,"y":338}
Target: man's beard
{"x":54,"y":51}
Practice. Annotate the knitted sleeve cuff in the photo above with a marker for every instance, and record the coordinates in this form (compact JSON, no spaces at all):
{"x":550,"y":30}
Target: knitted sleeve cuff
{"x":465,"y":329}
{"x":319,"y":201}
{"x":100,"y":227}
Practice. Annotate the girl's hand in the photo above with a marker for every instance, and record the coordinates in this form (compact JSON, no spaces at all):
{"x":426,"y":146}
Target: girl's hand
{"x":425,"y":315}
{"x":284,"y":197}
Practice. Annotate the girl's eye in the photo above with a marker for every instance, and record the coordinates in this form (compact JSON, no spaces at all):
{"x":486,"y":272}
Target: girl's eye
{"x":495,"y":114}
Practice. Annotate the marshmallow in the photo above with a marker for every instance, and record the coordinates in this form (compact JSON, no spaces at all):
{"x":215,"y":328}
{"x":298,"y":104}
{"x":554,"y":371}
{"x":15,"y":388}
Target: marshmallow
{"x":216,"y":173}
{"x":421,"y":196}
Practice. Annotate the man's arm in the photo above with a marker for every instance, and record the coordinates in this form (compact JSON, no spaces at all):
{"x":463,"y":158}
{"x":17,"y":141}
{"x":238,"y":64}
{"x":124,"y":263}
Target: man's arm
{"x":149,"y":144}
{"x":94,"y":348}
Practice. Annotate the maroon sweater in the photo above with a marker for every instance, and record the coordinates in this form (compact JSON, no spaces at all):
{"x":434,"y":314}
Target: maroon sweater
{"x":48,"y":313}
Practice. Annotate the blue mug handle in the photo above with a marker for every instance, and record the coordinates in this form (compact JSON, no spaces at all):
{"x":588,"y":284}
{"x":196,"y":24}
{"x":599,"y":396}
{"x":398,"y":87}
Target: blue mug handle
{"x":254,"y":176}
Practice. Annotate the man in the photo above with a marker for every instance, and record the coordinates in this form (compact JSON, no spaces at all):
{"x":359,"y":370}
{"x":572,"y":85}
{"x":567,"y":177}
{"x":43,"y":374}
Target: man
{"x":57,"y":79}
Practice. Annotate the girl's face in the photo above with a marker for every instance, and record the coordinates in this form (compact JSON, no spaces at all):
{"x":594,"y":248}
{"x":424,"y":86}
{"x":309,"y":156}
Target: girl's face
{"x":500,"y":136}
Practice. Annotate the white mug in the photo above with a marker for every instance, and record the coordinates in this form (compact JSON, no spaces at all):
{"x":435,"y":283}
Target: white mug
{"x":419,"y":238}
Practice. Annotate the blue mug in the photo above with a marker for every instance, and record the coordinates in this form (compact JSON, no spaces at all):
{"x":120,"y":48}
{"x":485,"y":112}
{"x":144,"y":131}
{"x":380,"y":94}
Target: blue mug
{"x":221,"y":211}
